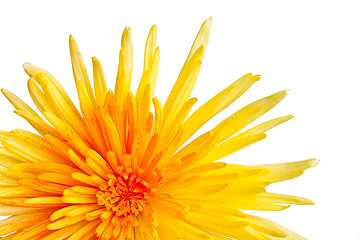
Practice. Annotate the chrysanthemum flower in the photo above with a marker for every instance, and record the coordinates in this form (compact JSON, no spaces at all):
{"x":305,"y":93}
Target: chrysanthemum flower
{"x":117,"y":170}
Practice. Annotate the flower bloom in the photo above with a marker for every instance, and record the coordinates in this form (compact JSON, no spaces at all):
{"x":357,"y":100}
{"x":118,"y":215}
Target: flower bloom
{"x":117,"y":170}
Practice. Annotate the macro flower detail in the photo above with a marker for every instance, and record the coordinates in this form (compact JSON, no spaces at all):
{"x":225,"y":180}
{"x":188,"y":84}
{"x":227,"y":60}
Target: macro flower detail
{"x":122,"y":167}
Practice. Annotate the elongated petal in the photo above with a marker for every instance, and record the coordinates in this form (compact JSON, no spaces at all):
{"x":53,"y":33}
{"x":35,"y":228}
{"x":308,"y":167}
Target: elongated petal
{"x":217,"y":104}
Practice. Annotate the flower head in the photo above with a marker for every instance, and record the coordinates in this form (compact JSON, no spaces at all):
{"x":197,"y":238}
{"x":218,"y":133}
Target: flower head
{"x":117,"y":170}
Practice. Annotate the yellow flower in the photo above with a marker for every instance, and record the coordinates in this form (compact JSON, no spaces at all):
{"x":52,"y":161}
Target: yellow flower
{"x":116,"y":170}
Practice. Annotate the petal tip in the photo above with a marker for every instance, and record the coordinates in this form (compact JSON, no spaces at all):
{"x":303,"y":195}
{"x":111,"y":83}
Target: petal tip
{"x":257,"y":77}
{"x":26,"y":65}
{"x":209,"y":20}
{"x":72,"y":41}
{"x":314,"y":162}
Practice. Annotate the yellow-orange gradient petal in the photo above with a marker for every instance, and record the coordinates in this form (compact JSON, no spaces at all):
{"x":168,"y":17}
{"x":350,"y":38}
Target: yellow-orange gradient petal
{"x":116,"y":170}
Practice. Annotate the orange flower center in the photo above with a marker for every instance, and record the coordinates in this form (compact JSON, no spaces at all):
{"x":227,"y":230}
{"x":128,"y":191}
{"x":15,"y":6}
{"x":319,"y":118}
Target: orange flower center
{"x":127,"y":194}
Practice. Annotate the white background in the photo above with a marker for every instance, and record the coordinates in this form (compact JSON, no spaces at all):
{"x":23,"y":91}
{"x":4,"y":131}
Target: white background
{"x":309,"y":47}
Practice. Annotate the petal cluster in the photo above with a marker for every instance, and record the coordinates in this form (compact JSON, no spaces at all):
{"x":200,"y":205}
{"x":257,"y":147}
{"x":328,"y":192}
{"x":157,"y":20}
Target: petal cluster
{"x":121,"y":167}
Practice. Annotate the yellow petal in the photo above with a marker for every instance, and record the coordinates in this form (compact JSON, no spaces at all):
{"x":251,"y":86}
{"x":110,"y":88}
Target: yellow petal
{"x":284,"y":171}
{"x":79,"y":70}
{"x":126,"y":62}
{"x":99,"y":82}
{"x":217,"y":104}
{"x":246,"y":115}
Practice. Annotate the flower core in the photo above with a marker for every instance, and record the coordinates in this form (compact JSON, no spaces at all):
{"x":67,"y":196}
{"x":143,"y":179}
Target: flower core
{"x":126,"y":194}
